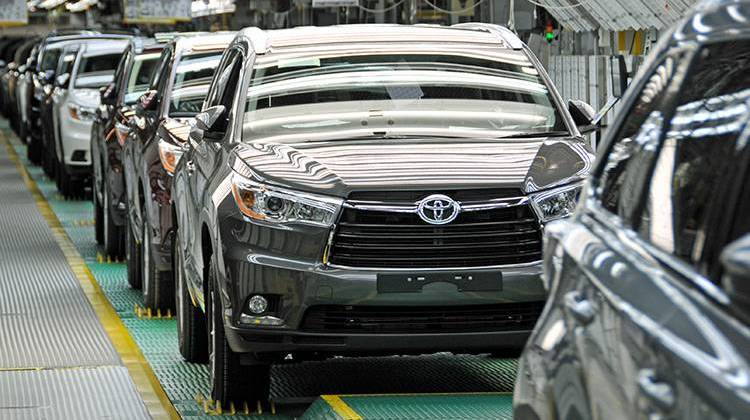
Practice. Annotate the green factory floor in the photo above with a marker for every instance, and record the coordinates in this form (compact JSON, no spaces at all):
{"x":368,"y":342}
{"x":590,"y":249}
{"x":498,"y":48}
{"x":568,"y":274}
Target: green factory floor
{"x":439,"y":386}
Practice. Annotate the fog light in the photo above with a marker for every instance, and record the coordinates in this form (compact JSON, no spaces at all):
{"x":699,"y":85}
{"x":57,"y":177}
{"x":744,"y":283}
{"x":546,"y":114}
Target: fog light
{"x":257,"y":304}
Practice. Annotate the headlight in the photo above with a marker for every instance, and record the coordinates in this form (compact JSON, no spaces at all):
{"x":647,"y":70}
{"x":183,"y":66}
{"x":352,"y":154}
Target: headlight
{"x":170,"y":155}
{"x":556,"y":203}
{"x":81,"y":113}
{"x":275,"y":205}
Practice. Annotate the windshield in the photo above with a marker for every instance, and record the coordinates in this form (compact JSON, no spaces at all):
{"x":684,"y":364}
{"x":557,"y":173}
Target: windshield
{"x":95,"y":71}
{"x":412,"y":89}
{"x":140,"y":75}
{"x":192,"y":78}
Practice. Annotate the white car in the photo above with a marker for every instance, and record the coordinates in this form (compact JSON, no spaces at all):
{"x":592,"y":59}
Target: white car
{"x":76,"y":99}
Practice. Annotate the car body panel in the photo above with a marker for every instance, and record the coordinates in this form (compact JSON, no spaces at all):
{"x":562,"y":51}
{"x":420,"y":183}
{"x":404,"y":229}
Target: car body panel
{"x":632,"y":329}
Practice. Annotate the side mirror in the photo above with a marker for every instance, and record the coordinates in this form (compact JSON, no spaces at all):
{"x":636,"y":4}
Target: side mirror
{"x":735,"y":260}
{"x":619,"y":75}
{"x":62,"y":80}
{"x":147,"y":102}
{"x":48,"y":77}
{"x":205,"y":121}
{"x":103,"y":112}
{"x":107,"y":94}
{"x":583,"y":115}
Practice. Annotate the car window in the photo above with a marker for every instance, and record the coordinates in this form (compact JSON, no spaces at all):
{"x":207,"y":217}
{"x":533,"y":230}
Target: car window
{"x":121,"y":69}
{"x":66,"y":63}
{"x":631,"y":156}
{"x":95,"y":71}
{"x":191,"y":81}
{"x":49,"y":59}
{"x":225,"y":86}
{"x":160,"y":73}
{"x":139,"y":76}
{"x":218,"y":87}
{"x":695,"y":174}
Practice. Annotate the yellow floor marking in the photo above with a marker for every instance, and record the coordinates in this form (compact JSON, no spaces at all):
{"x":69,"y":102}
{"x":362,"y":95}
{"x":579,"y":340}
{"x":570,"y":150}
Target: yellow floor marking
{"x":340,"y":407}
{"x":427,"y":394}
{"x":158,"y":404}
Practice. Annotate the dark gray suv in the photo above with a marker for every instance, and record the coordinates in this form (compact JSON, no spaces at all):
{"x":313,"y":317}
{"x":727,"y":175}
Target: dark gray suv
{"x":368,"y":189}
{"x":650,"y":280}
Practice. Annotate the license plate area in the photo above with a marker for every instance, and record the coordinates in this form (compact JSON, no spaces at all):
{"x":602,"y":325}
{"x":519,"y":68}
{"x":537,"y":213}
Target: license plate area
{"x":476,"y":281}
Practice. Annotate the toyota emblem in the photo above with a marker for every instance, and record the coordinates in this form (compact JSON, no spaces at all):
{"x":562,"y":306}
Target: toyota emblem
{"x":438,"y":209}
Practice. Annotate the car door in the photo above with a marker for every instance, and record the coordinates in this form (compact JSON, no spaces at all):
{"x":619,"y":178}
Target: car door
{"x":688,"y":217}
{"x":101,"y":131}
{"x":142,"y":127}
{"x":204,"y":156}
{"x":605,"y":290}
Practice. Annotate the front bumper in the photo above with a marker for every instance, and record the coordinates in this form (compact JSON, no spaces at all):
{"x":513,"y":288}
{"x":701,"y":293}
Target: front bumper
{"x":75,"y":139}
{"x":300,"y":286}
{"x":244,"y":341}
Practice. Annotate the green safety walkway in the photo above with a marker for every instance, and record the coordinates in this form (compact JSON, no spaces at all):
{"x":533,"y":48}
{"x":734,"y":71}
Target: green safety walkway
{"x":421,"y":387}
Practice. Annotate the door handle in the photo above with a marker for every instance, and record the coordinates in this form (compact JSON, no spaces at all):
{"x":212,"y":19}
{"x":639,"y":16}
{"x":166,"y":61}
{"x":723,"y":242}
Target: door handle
{"x":579,"y":307}
{"x":657,"y":392}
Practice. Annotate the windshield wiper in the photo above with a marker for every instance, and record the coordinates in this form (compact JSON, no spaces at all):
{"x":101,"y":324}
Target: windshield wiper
{"x":532,"y":134}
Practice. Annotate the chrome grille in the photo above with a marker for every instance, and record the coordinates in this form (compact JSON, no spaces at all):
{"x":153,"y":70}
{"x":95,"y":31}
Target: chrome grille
{"x":384,"y":239}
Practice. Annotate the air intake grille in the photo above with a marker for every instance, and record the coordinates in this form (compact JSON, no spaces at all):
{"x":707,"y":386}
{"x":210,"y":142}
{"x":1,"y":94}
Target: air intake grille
{"x":379,"y":239}
{"x":429,"y":319}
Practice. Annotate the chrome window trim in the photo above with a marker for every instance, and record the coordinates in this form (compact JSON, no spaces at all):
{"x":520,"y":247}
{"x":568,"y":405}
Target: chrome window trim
{"x":413,"y":207}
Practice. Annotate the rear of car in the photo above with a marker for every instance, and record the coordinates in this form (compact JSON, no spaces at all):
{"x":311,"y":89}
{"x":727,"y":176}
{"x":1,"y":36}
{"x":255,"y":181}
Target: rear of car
{"x":649,"y":307}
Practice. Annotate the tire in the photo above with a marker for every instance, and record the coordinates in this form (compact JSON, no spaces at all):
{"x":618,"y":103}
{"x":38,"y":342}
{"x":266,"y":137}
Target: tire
{"x":68,"y":186}
{"x":34,"y":151}
{"x":48,"y":162}
{"x":157,"y":286}
{"x":132,"y":255}
{"x":98,"y":218}
{"x":191,"y":322}
{"x":231,"y":381}
{"x":111,"y":233}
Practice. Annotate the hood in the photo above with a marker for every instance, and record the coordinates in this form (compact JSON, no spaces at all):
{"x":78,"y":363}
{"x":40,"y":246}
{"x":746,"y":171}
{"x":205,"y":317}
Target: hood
{"x":339,"y":167}
{"x":86,"y":97}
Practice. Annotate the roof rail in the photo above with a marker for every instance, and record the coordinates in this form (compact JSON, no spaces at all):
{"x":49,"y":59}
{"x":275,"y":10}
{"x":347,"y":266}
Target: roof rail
{"x":258,"y":38}
{"x":506,"y":35}
{"x":171,"y":36}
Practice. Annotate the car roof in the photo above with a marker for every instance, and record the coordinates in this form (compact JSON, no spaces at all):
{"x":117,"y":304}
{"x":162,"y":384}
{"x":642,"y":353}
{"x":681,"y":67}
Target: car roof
{"x":495,"y":35}
{"x":54,"y":40}
{"x":204,"y":41}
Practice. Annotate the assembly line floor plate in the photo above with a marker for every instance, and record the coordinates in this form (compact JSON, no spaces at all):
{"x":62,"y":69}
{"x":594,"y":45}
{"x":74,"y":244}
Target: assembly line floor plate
{"x":436,"y":386}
